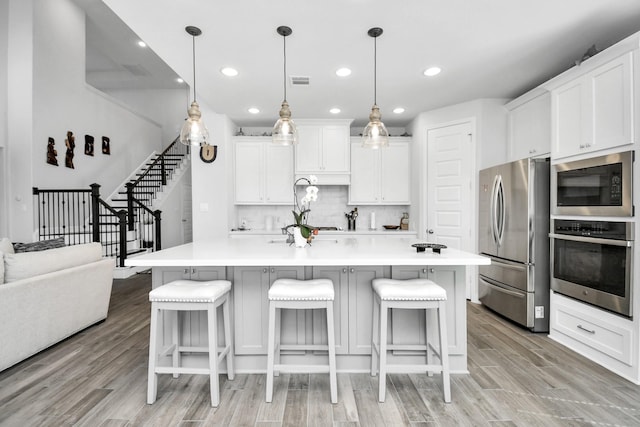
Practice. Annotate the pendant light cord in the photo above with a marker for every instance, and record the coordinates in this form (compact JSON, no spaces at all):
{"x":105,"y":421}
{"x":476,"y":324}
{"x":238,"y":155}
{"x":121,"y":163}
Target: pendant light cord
{"x":284,"y":75}
{"x":193,"y":38}
{"x":375,"y":70}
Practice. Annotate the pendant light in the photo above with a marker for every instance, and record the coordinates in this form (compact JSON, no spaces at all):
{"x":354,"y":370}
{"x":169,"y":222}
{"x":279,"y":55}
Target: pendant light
{"x":284,"y":131}
{"x":193,"y":131}
{"x":375,"y":134}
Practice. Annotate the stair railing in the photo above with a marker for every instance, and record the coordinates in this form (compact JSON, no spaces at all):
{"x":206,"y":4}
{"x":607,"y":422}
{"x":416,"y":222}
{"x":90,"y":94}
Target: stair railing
{"x":145,"y":188}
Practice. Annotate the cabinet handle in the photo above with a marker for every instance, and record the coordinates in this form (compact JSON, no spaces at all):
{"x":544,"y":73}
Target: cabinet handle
{"x":186,"y":271}
{"x":586,"y":330}
{"x":587,"y":145}
{"x":353,"y":270}
{"x":431,"y":270}
{"x":273,"y":270}
{"x":344,"y":270}
{"x":424,"y":270}
{"x":264,"y":270}
{"x":193,"y":271}
{"x":581,"y":146}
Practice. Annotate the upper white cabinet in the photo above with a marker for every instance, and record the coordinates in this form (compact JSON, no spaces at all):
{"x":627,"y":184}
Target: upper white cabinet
{"x":263,"y":172}
{"x":595,"y":110}
{"x":380,"y":176}
{"x":529,"y":125}
{"x":323,"y":150}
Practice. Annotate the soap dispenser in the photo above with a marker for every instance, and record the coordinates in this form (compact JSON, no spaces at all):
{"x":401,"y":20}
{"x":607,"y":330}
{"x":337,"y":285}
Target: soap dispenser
{"x":404,"y":221}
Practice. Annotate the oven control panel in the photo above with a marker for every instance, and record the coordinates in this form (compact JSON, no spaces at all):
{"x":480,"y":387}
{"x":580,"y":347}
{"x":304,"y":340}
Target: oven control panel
{"x":601,"y":229}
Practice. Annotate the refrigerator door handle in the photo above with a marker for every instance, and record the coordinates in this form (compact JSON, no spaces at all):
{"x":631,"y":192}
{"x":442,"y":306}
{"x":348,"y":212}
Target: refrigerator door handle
{"x":498,"y":210}
{"x":512,"y":266}
{"x":502,"y":289}
{"x":492,"y":209}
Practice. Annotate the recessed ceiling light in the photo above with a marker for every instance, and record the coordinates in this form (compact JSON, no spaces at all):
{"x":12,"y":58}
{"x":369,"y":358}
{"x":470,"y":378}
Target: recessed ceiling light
{"x":334,"y":110}
{"x":179,"y":80}
{"x":432,"y":71}
{"x":343,"y":72}
{"x":229,"y":72}
{"x":253,"y":110}
{"x":398,"y":110}
{"x":142,"y":44}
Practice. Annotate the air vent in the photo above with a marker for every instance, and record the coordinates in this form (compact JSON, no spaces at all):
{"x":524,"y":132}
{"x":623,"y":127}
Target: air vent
{"x":136,"y":70}
{"x":299,"y":81}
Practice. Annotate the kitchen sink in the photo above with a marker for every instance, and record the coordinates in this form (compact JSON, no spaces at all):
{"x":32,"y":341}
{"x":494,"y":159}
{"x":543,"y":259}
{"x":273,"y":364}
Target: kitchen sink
{"x":315,"y":241}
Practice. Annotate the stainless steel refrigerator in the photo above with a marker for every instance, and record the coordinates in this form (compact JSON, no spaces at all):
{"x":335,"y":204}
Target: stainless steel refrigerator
{"x":514,"y":231}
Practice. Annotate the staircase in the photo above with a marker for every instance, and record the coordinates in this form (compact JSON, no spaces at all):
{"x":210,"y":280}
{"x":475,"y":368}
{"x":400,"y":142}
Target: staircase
{"x":128,"y":222}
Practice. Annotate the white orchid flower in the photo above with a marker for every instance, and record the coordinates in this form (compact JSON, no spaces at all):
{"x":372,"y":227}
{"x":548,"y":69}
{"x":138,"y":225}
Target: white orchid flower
{"x":313,"y":179}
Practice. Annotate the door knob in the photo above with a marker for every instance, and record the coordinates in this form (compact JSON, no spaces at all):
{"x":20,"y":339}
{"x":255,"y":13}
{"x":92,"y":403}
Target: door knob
{"x":430,"y":231}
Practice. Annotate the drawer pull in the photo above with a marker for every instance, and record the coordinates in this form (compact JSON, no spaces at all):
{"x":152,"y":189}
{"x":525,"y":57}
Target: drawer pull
{"x":586,"y":330}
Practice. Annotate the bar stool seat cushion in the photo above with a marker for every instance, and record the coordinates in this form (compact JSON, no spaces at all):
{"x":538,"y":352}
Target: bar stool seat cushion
{"x":409,"y":290}
{"x":190,"y":291}
{"x":301,"y":290}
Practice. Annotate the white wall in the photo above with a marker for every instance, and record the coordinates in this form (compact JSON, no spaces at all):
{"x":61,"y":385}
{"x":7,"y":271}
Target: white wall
{"x":46,"y":96}
{"x":4,"y":42}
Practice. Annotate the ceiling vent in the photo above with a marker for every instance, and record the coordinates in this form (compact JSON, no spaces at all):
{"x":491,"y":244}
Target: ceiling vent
{"x":299,"y":81}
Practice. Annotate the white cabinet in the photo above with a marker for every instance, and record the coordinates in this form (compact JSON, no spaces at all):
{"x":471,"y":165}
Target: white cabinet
{"x":323,"y":150}
{"x":250,"y":308}
{"x":601,"y":336}
{"x":529,"y":124}
{"x":263,"y":172}
{"x":595,"y":110}
{"x":380,"y":177}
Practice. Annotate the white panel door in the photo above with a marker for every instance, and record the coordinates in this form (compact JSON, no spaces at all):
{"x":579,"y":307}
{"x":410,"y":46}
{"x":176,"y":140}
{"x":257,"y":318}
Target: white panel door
{"x":450,"y":171}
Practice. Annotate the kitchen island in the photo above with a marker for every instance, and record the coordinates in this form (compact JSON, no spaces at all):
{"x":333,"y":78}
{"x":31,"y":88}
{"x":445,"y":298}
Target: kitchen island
{"x":252,"y":264}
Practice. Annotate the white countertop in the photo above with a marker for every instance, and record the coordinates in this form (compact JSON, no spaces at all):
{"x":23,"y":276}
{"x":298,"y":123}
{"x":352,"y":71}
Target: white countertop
{"x":337,"y":233}
{"x":270,"y":251}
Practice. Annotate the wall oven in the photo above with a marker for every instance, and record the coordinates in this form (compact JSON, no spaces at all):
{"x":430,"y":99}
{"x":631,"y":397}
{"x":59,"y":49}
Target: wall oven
{"x":592,"y":261}
{"x":597,"y":186}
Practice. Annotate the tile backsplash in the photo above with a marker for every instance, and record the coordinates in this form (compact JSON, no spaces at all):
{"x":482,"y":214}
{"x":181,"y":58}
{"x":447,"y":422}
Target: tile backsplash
{"x":327,"y":211}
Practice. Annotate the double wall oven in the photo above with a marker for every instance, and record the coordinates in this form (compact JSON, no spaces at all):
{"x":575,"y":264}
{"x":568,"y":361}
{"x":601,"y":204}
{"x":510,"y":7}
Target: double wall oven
{"x":592,"y":244}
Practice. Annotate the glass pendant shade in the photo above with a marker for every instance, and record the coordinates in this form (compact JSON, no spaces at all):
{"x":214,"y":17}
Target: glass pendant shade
{"x":194,"y":132}
{"x":375,"y":134}
{"x":285,"y":131}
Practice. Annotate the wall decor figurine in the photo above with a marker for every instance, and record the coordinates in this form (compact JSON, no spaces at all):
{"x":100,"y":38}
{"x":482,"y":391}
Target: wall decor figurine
{"x":52,"y":154}
{"x":106,"y":149}
{"x":70,"y":142}
{"x":88,"y":145}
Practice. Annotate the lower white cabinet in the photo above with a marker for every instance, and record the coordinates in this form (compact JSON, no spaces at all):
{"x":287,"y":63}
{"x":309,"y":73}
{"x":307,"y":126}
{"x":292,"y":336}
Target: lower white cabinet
{"x":251,"y":304}
{"x":451,"y":278}
{"x":599,"y":335}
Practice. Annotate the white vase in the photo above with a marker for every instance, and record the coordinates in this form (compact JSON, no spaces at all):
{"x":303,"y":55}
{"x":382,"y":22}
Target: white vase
{"x":299,"y":241}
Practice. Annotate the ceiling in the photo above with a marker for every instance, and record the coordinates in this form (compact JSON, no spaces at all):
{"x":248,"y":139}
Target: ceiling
{"x":486,"y":49}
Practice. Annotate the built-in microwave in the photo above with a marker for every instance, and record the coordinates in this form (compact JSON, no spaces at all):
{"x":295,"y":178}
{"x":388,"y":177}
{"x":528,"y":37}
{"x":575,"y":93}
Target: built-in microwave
{"x":596,"y":186}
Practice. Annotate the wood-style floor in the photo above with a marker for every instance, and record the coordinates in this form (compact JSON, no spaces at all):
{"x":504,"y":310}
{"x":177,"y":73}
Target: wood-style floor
{"x":98,"y":378}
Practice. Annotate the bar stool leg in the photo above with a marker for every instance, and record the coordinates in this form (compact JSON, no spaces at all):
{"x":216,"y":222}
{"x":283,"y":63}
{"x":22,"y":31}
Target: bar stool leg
{"x":270,"y":351}
{"x":382,"y":376}
{"x":444,"y":351}
{"x":214,"y":378}
{"x":332,"y":353}
{"x":152,"y":382}
{"x":375,"y":330}
{"x":429,"y":353}
{"x":278,"y":337}
{"x":228,"y":340}
{"x":174,"y":317}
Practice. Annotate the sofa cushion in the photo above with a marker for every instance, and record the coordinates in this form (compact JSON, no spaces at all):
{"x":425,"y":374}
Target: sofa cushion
{"x":6,"y":246}
{"x":41,"y":245}
{"x":28,"y":264}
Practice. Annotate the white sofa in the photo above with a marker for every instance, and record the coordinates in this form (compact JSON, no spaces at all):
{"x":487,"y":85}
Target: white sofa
{"x":47,"y":296}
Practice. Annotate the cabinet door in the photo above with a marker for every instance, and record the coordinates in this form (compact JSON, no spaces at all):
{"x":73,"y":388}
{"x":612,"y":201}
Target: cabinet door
{"x":309,"y":149}
{"x":340,"y":278}
{"x":394,"y":174}
{"x":249,"y":172}
{"x":279,"y":174}
{"x":612,"y":100}
{"x":293,"y":323}
{"x":530,"y":128}
{"x":365,"y":177}
{"x":452,"y":279}
{"x":407,"y":326}
{"x":250,"y":303}
{"x":335,"y":149}
{"x":568,"y":119}
{"x":361,"y":307}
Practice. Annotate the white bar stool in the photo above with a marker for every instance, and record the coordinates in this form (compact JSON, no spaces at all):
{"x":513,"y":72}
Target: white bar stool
{"x":189,"y":295}
{"x":300,"y":295}
{"x":408,"y":294}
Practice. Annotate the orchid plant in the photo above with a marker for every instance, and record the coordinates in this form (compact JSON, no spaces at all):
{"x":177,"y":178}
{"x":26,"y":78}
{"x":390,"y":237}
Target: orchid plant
{"x":301,"y":209}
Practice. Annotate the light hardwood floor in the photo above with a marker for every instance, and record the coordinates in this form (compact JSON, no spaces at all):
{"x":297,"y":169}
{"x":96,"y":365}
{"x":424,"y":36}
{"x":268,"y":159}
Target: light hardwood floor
{"x":98,"y":378}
